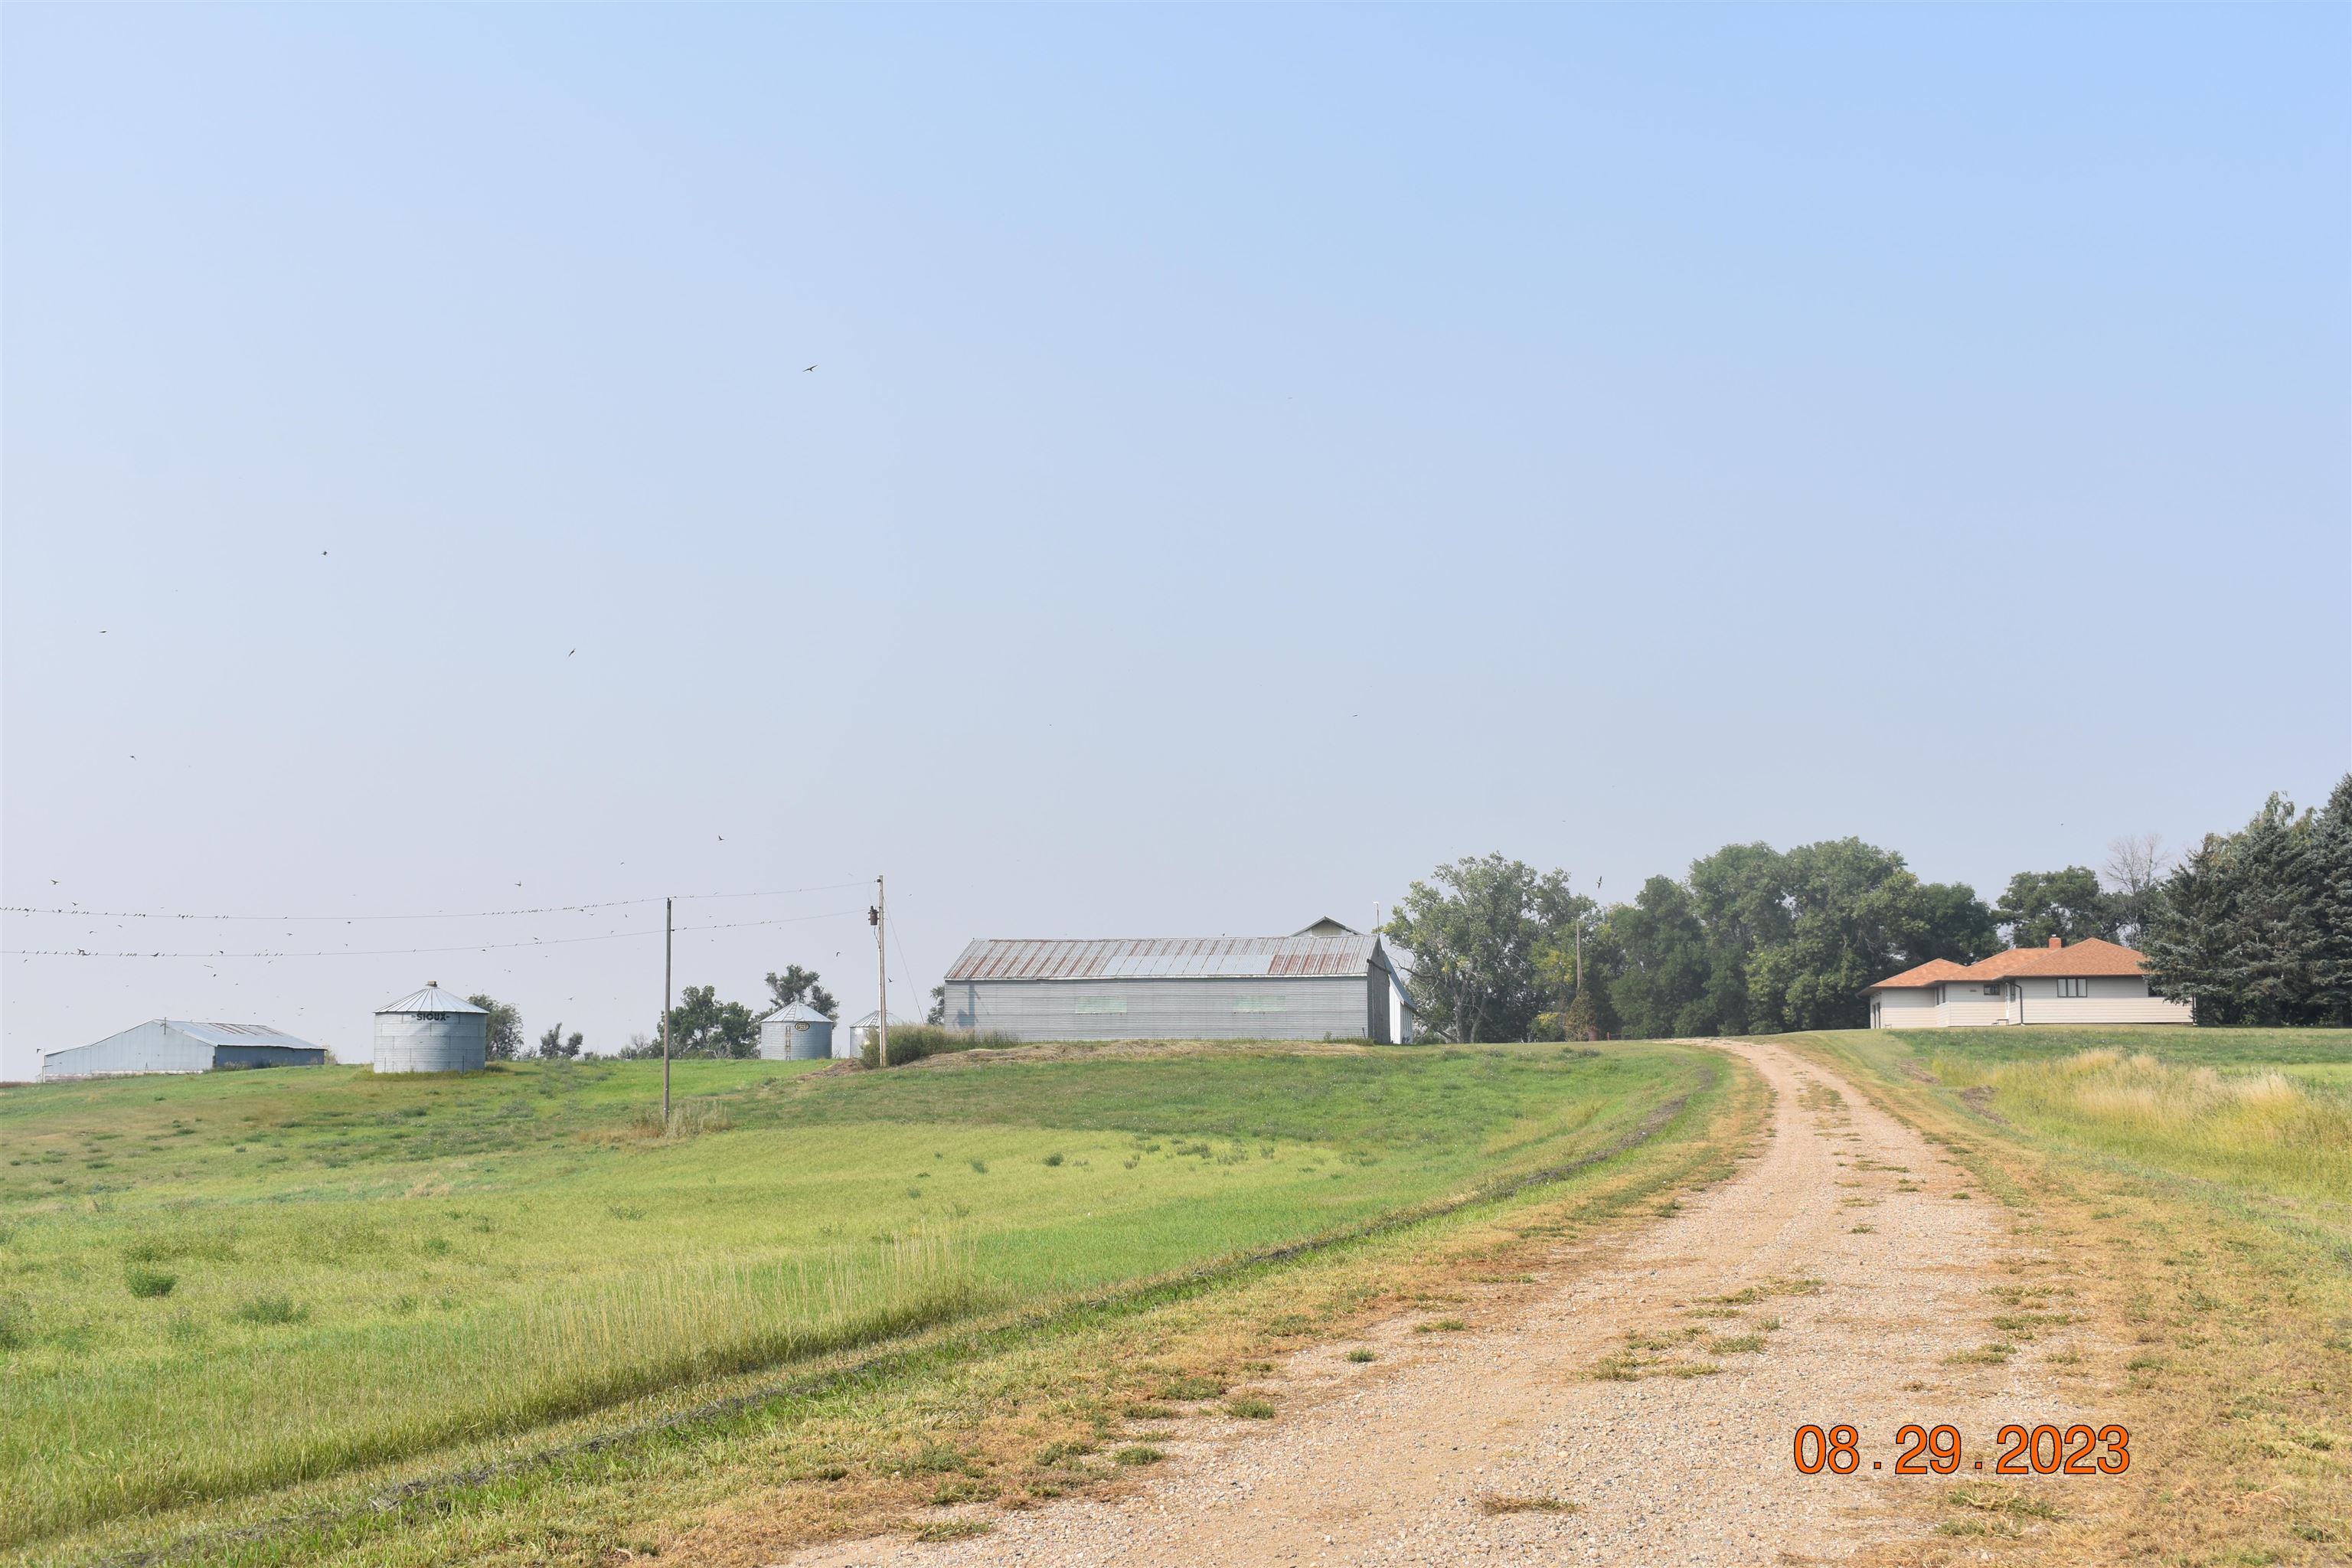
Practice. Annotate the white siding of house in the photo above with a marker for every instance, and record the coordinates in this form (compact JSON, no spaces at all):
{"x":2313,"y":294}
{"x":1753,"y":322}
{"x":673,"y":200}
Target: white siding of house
{"x":1912,"y":1007}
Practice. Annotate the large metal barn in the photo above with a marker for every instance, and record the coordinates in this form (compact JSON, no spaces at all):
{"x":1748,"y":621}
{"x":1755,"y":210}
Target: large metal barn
{"x":1302,"y":987}
{"x":176,"y":1045}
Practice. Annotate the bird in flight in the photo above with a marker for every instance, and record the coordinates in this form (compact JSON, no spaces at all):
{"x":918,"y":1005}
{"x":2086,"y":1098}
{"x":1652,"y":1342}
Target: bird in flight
{"x":806,"y":368}
{"x":569,"y":654}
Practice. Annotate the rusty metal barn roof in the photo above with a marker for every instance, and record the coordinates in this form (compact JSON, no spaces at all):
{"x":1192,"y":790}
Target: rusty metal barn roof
{"x":1165,"y":958}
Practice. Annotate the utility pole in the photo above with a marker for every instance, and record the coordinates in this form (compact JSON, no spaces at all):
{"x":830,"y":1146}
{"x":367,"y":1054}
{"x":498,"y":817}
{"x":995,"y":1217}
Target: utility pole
{"x":668,"y":905}
{"x":875,"y":917}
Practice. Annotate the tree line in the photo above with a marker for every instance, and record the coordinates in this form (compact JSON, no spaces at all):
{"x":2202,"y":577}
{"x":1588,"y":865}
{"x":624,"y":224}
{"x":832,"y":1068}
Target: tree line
{"x":700,"y":1025}
{"x":2251,"y":927}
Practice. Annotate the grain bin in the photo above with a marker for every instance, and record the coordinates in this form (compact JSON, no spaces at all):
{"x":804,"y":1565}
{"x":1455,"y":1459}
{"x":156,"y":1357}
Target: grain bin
{"x":431,"y":1030}
{"x":798,"y":1034}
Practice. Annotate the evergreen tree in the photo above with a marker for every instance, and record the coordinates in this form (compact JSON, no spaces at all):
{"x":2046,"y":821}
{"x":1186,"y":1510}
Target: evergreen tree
{"x":2253,"y":927}
{"x":2331,"y":848}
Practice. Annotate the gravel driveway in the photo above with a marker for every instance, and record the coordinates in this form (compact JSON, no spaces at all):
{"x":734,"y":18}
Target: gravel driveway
{"x":1397,"y":1461}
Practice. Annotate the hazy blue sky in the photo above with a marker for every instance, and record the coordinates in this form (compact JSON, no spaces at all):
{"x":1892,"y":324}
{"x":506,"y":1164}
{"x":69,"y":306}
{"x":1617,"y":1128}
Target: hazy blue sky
{"x":1254,"y":455}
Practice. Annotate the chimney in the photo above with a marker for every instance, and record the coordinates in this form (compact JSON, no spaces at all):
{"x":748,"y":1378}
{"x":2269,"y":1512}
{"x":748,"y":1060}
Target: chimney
{"x":2057,"y":942}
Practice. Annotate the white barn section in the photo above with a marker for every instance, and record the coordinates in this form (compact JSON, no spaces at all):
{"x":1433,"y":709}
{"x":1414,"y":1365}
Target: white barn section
{"x":2093,"y":982}
{"x":1301,"y":987}
{"x":177,"y":1045}
{"x":432,"y":1030}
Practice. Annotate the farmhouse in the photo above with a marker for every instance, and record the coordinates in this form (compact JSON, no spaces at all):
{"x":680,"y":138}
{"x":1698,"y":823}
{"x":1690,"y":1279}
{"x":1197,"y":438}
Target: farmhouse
{"x":1325,"y":982}
{"x":174,"y":1045}
{"x":2093,"y":982}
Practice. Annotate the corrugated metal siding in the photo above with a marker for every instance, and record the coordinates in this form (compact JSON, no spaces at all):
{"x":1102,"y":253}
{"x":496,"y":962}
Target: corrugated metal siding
{"x":270,"y":1056}
{"x":797,"y":1034}
{"x":1285,"y":1007}
{"x":1143,"y":958}
{"x":432,"y":1042}
{"x":169,"y":1045}
{"x":152,"y":1046}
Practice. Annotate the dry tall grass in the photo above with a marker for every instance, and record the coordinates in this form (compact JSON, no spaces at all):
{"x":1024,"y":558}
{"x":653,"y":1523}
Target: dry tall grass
{"x":2259,"y":1127}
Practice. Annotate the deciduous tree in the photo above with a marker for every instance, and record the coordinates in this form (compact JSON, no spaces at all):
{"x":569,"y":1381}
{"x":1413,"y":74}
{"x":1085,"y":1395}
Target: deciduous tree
{"x":703,"y":1026}
{"x":1477,"y":930}
{"x":2067,"y":904}
{"x":503,"y":1033}
{"x":798,"y":985}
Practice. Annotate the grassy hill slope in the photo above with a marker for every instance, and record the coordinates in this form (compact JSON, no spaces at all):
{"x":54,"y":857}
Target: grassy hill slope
{"x":214,"y":1286}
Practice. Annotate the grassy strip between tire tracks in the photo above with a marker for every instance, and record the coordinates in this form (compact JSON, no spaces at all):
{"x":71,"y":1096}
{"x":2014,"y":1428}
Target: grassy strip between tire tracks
{"x":612,"y":1488}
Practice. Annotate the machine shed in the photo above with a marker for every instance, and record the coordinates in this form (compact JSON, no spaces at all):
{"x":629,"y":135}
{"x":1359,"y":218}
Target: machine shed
{"x":1302,"y":987}
{"x":178,"y":1045}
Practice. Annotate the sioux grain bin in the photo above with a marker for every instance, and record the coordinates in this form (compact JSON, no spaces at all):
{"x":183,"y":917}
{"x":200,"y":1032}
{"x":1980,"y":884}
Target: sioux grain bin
{"x":795,"y":1034}
{"x":431,"y":1031}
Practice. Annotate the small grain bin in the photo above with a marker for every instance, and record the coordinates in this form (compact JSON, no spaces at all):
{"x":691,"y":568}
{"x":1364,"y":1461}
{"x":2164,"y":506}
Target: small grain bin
{"x":432,"y":1030}
{"x":795,"y":1034}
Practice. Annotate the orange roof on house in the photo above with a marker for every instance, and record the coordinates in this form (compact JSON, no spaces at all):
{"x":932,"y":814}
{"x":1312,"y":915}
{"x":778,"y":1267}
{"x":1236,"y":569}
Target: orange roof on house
{"x":1926,"y":974}
{"x":2090,"y":956}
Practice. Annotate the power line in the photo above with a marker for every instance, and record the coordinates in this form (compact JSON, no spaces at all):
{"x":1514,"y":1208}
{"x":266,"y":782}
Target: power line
{"x":465,"y":915}
{"x":394,"y":952}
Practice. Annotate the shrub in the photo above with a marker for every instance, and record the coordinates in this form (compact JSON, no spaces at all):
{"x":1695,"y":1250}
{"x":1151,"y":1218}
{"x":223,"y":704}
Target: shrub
{"x":1140,"y":1454}
{"x":1250,"y":1409}
{"x":148,"y":1283}
{"x":270,"y":1310}
{"x":913,"y":1042}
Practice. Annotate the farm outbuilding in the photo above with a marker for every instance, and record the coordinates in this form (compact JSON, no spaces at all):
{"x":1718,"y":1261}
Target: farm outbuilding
{"x":431,"y":1030}
{"x":178,"y":1045}
{"x":1317,"y":985}
{"x":795,"y":1034}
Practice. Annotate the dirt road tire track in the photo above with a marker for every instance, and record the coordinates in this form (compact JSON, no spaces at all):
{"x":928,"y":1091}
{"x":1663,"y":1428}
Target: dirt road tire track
{"x":1386,"y":1463}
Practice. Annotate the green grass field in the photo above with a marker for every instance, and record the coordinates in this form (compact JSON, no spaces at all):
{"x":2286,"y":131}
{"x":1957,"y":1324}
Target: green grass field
{"x":2262,"y":1111}
{"x":215,"y":1285}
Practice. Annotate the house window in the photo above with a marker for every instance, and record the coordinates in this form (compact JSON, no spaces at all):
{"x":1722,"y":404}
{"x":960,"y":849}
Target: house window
{"x":2073,"y":988}
{"x":1993,"y":990}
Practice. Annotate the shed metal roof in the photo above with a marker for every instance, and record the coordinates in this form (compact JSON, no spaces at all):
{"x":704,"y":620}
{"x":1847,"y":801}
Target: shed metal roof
{"x":205,"y":1033}
{"x":1164,"y":958}
{"x":236,"y":1034}
{"x":432,"y":999}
